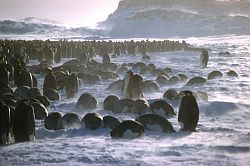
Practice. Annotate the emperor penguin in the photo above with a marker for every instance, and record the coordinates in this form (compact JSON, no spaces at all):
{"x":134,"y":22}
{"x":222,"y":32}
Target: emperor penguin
{"x":127,"y":78}
{"x":204,"y":58}
{"x":188,"y":116}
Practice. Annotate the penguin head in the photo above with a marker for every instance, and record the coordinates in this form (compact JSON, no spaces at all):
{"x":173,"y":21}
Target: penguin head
{"x":187,"y":93}
{"x":130,"y":73}
{"x":138,"y":78}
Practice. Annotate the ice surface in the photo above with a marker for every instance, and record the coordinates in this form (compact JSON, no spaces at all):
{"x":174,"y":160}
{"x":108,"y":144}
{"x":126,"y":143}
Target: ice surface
{"x":223,"y":130}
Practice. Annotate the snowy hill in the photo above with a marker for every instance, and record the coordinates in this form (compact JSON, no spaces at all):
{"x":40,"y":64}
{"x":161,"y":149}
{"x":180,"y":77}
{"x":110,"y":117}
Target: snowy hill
{"x":163,"y":18}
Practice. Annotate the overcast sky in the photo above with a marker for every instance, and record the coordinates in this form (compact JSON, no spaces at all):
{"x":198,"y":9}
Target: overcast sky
{"x":69,"y":12}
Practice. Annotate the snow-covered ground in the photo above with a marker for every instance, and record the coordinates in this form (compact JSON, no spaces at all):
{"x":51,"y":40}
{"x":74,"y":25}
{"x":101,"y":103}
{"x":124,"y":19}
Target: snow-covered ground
{"x":223,"y":130}
{"x":223,"y":136}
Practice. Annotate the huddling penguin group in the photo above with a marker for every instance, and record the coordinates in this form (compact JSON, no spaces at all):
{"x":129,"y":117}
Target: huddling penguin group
{"x":23,"y":100}
{"x":149,"y":116}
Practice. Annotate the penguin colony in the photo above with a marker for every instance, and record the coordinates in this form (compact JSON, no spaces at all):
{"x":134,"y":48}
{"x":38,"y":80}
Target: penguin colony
{"x":22,"y":102}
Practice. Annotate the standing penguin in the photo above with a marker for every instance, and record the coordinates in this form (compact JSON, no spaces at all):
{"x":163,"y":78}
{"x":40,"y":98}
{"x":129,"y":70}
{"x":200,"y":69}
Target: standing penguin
{"x":131,"y":48}
{"x":72,"y":86}
{"x":105,"y":58}
{"x":50,"y":81}
{"x":24,"y":122}
{"x":143,"y":49}
{"x":84,"y":57}
{"x":126,"y":80}
{"x":24,"y":78}
{"x":134,"y":89}
{"x":4,"y":75}
{"x":204,"y":58}
{"x":58,"y":54}
{"x":4,"y":123}
{"x":48,"y":53}
{"x":188,"y":112}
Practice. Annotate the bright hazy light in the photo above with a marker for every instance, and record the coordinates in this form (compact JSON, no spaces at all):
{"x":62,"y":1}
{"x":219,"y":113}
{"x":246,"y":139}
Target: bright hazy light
{"x":67,"y":12}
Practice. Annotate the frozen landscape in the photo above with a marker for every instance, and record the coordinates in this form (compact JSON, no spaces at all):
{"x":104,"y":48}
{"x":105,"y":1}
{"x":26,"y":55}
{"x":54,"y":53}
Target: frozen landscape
{"x":223,"y":136}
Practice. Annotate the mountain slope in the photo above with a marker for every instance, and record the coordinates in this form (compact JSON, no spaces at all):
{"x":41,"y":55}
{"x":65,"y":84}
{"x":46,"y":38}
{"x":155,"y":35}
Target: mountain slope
{"x":163,"y":18}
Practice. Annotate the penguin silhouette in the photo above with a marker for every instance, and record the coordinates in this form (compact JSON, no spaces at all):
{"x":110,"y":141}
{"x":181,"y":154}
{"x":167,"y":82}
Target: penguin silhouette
{"x":188,"y":116}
